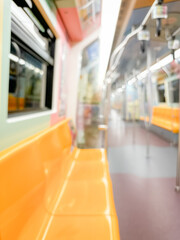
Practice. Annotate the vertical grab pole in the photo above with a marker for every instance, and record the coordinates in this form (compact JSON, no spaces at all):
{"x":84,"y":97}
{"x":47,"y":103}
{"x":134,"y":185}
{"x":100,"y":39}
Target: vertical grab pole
{"x":134,"y":125}
{"x":149,"y":100}
{"x":146,"y":121}
{"x":125,"y":104}
{"x":104,"y":109}
{"x":177,"y":188}
{"x":106,"y":114}
{"x":134,"y":112}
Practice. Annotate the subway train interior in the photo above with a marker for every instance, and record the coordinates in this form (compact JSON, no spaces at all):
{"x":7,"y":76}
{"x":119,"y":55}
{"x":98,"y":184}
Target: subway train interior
{"x":89,"y":120}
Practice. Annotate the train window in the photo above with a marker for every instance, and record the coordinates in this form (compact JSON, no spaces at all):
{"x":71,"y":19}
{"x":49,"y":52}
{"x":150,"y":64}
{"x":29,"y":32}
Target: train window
{"x":161,"y":92}
{"x":31,"y":60}
{"x":174,"y":91}
{"x":88,"y":10}
{"x":88,"y":108}
{"x":62,"y":95}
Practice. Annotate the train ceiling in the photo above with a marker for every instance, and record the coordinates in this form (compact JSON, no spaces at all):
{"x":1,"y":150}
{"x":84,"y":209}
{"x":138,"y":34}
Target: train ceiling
{"x":132,"y":59}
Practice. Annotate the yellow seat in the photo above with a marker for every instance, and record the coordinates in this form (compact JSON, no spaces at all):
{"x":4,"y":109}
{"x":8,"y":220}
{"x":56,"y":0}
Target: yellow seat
{"x":146,"y":118}
{"x":49,"y":192}
{"x":22,"y":184}
{"x":89,"y":170}
{"x":98,"y":155}
{"x":81,"y":198}
{"x":166,"y":117}
{"x":69,"y":227}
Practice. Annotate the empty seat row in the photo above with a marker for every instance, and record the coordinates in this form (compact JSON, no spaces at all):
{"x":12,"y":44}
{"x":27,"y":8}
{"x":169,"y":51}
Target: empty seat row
{"x":165,"y":117}
{"x":49,"y":191}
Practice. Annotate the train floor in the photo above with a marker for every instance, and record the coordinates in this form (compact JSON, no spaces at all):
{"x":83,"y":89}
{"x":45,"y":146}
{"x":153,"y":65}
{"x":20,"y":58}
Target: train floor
{"x":147,"y":205}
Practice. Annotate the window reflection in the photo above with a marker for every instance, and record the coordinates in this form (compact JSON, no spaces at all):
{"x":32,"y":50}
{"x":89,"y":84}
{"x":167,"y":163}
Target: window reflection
{"x":26,"y":81}
{"x":88,"y":108}
{"x":161,"y":93}
{"x":88,"y":10}
{"x":174,"y":91}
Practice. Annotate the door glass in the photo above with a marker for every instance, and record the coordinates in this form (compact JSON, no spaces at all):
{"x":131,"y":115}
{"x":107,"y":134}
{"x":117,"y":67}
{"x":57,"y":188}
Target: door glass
{"x":89,"y":99}
{"x":161,"y":92}
{"x":174,"y":89}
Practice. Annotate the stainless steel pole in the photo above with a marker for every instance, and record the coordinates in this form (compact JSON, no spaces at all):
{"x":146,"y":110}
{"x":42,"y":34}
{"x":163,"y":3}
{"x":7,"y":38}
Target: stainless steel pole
{"x":106,"y":113}
{"x":149,"y":100}
{"x":177,"y":188}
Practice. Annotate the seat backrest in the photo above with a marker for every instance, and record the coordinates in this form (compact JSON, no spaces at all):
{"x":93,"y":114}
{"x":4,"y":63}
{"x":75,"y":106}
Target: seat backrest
{"x":21,"y":181}
{"x":55,"y":142}
{"x":20,"y":171}
{"x":154,"y":112}
{"x":23,"y":178}
{"x":176,"y":114}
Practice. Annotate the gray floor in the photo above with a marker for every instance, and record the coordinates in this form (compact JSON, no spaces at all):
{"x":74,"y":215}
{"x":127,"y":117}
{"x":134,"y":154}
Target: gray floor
{"x":147,"y":206}
{"x":132,"y":160}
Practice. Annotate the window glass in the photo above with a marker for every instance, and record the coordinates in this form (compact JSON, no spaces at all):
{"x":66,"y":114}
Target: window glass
{"x":174,"y":90}
{"x":62,"y":95}
{"x":25,"y":81}
{"x":161,"y":92}
{"x":89,"y":99}
{"x":88,"y":10}
{"x":31,"y":60}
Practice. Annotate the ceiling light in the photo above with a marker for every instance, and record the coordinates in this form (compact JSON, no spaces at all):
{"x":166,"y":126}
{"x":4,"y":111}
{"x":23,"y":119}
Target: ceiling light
{"x":108,"y":80}
{"x":119,"y":90}
{"x":13,"y":57}
{"x":161,"y":63}
{"x":21,"y":61}
{"x":142,"y":75}
{"x":133,"y":80}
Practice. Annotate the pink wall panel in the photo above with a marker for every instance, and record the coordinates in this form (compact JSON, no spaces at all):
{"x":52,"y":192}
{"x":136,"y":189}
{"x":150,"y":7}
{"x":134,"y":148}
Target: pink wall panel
{"x":72,"y":23}
{"x":62,"y":31}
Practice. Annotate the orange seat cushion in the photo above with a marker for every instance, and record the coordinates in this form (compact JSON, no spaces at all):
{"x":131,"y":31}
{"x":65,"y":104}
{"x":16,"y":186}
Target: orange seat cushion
{"x":69,"y":227}
{"x":49,"y":192}
{"x":167,"y":118}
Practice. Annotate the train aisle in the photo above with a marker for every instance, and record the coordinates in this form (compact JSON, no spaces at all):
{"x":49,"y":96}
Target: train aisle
{"x":147,"y":206}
